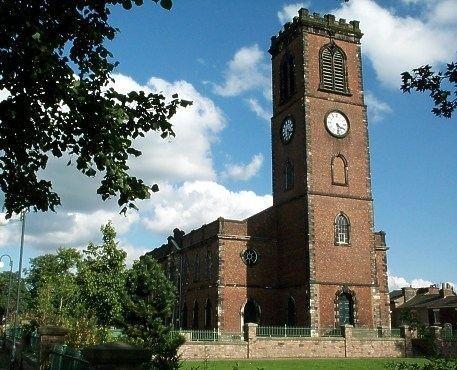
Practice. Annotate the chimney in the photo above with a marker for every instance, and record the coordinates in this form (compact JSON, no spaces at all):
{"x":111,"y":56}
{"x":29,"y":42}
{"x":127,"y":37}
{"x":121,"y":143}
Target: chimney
{"x":446,"y":290}
{"x":408,"y":293}
{"x":433,"y":289}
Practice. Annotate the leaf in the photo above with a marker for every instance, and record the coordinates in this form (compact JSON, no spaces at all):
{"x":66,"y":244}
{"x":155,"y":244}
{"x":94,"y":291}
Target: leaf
{"x":127,"y":4}
{"x":166,"y":4}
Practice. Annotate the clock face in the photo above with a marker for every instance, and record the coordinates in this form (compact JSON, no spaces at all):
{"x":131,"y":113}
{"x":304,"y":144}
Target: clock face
{"x":287,"y":130}
{"x":337,"y":124}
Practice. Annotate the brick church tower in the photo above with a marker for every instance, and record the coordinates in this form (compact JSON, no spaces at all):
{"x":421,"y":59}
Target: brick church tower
{"x":321,"y":172}
{"x":312,"y":259}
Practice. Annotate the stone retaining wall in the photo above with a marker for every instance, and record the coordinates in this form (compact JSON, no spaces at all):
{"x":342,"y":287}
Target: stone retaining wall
{"x":311,"y":347}
{"x":213,"y":351}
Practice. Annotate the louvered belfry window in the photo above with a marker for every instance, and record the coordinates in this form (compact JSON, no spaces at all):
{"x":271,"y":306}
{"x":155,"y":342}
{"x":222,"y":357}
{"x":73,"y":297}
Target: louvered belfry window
{"x":286,"y":77}
{"x":333,"y":69}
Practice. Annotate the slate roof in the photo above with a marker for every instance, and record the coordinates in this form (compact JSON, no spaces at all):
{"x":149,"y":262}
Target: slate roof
{"x":420,"y":300}
{"x":446,"y":302}
{"x":394,"y":294}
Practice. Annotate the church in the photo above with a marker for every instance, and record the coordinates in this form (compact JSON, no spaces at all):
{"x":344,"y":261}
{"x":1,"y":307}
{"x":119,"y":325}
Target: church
{"x":312,"y":259}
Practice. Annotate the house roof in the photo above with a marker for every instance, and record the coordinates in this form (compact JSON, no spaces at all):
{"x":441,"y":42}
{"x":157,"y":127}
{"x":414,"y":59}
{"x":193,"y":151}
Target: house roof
{"x":446,"y":302}
{"x":394,"y":294}
{"x":420,"y":300}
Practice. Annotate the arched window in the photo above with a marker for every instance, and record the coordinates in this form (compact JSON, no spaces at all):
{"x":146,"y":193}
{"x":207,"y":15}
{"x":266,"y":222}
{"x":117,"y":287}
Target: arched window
{"x":209,"y":264}
{"x":185,"y":270}
{"x":208,"y":314}
{"x":286,"y":77}
{"x":333,"y":69}
{"x":184,"y":314}
{"x":291,"y":311}
{"x":197,"y":268}
{"x":172,"y":271}
{"x":345,"y":309}
{"x":341,"y":229}
{"x":195,"y":316}
{"x":339,"y":170}
{"x":288,"y":175}
{"x":251,"y":312}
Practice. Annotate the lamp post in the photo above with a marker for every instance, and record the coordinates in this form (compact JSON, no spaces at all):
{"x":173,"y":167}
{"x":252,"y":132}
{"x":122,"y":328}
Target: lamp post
{"x":13,"y":351}
{"x":9,"y":286}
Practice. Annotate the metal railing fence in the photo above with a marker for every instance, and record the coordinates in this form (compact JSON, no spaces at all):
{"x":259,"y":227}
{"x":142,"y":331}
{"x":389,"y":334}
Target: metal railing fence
{"x":209,"y":336}
{"x":283,"y":331}
{"x":66,"y":358}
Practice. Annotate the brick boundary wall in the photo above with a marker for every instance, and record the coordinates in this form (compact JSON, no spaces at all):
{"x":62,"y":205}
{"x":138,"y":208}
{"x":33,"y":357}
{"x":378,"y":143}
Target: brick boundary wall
{"x":313,"y":347}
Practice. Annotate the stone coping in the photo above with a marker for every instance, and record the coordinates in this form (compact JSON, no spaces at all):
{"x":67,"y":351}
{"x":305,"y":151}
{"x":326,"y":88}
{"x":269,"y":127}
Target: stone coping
{"x":304,"y":339}
{"x":240,"y":343}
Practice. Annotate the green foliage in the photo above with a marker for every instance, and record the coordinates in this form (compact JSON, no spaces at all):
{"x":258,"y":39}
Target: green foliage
{"x":149,"y":303}
{"x":166,"y":357}
{"x":426,"y":79}
{"x":24,"y":302}
{"x":408,"y":317}
{"x":85,"y":331}
{"x":101,"y":278}
{"x":52,"y":283}
{"x":56,"y":67}
{"x":431,"y":364}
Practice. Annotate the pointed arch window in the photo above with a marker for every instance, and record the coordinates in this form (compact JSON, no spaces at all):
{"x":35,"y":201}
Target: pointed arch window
{"x":291,"y":311}
{"x":184,"y":317}
{"x":346,"y":309}
{"x":197,"y":268}
{"x":195,"y":316}
{"x":339,"y":168}
{"x":341,"y":229}
{"x":209,"y":264}
{"x":333,"y":69}
{"x":288,"y":175}
{"x":208,"y":314}
{"x":286,"y":77}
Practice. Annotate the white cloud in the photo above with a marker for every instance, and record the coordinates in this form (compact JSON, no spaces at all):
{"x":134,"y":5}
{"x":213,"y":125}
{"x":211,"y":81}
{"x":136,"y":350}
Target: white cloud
{"x":133,"y":252}
{"x":48,"y":231}
{"x":244,"y":172}
{"x":289,"y":11}
{"x":188,"y":155}
{"x":183,"y":167}
{"x":248,"y":70}
{"x":444,"y":13}
{"x":398,"y":282}
{"x":194,"y":203}
{"x":396,"y":43}
{"x":377,"y":109}
{"x":258,"y":109}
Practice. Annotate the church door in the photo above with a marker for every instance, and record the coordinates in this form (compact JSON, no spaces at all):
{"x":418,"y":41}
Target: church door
{"x":251,"y":312}
{"x":346,"y":309}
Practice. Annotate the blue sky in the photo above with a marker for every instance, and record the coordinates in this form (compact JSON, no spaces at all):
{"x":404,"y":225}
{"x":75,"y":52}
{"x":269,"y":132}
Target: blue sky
{"x":215,"y":53}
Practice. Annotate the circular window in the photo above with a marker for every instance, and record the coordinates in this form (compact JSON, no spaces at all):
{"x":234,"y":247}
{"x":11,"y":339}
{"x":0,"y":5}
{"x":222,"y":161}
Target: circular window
{"x":250,"y":257}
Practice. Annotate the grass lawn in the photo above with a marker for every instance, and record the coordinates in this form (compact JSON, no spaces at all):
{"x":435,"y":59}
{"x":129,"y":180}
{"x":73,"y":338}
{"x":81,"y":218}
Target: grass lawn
{"x":320,"y":364}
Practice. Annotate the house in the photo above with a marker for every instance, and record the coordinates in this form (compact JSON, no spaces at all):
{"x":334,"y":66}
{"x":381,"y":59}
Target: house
{"x":429,"y":306}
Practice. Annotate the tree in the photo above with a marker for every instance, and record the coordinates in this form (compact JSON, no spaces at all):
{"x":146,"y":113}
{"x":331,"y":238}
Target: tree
{"x":24,"y":302}
{"x":149,"y":304}
{"x":425,"y":79}
{"x":54,"y":292}
{"x":55,"y":69}
{"x":101,"y":278}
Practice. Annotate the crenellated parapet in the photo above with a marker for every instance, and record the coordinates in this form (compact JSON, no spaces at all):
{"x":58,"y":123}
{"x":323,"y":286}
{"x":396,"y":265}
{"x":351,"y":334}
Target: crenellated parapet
{"x":315,"y":23}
